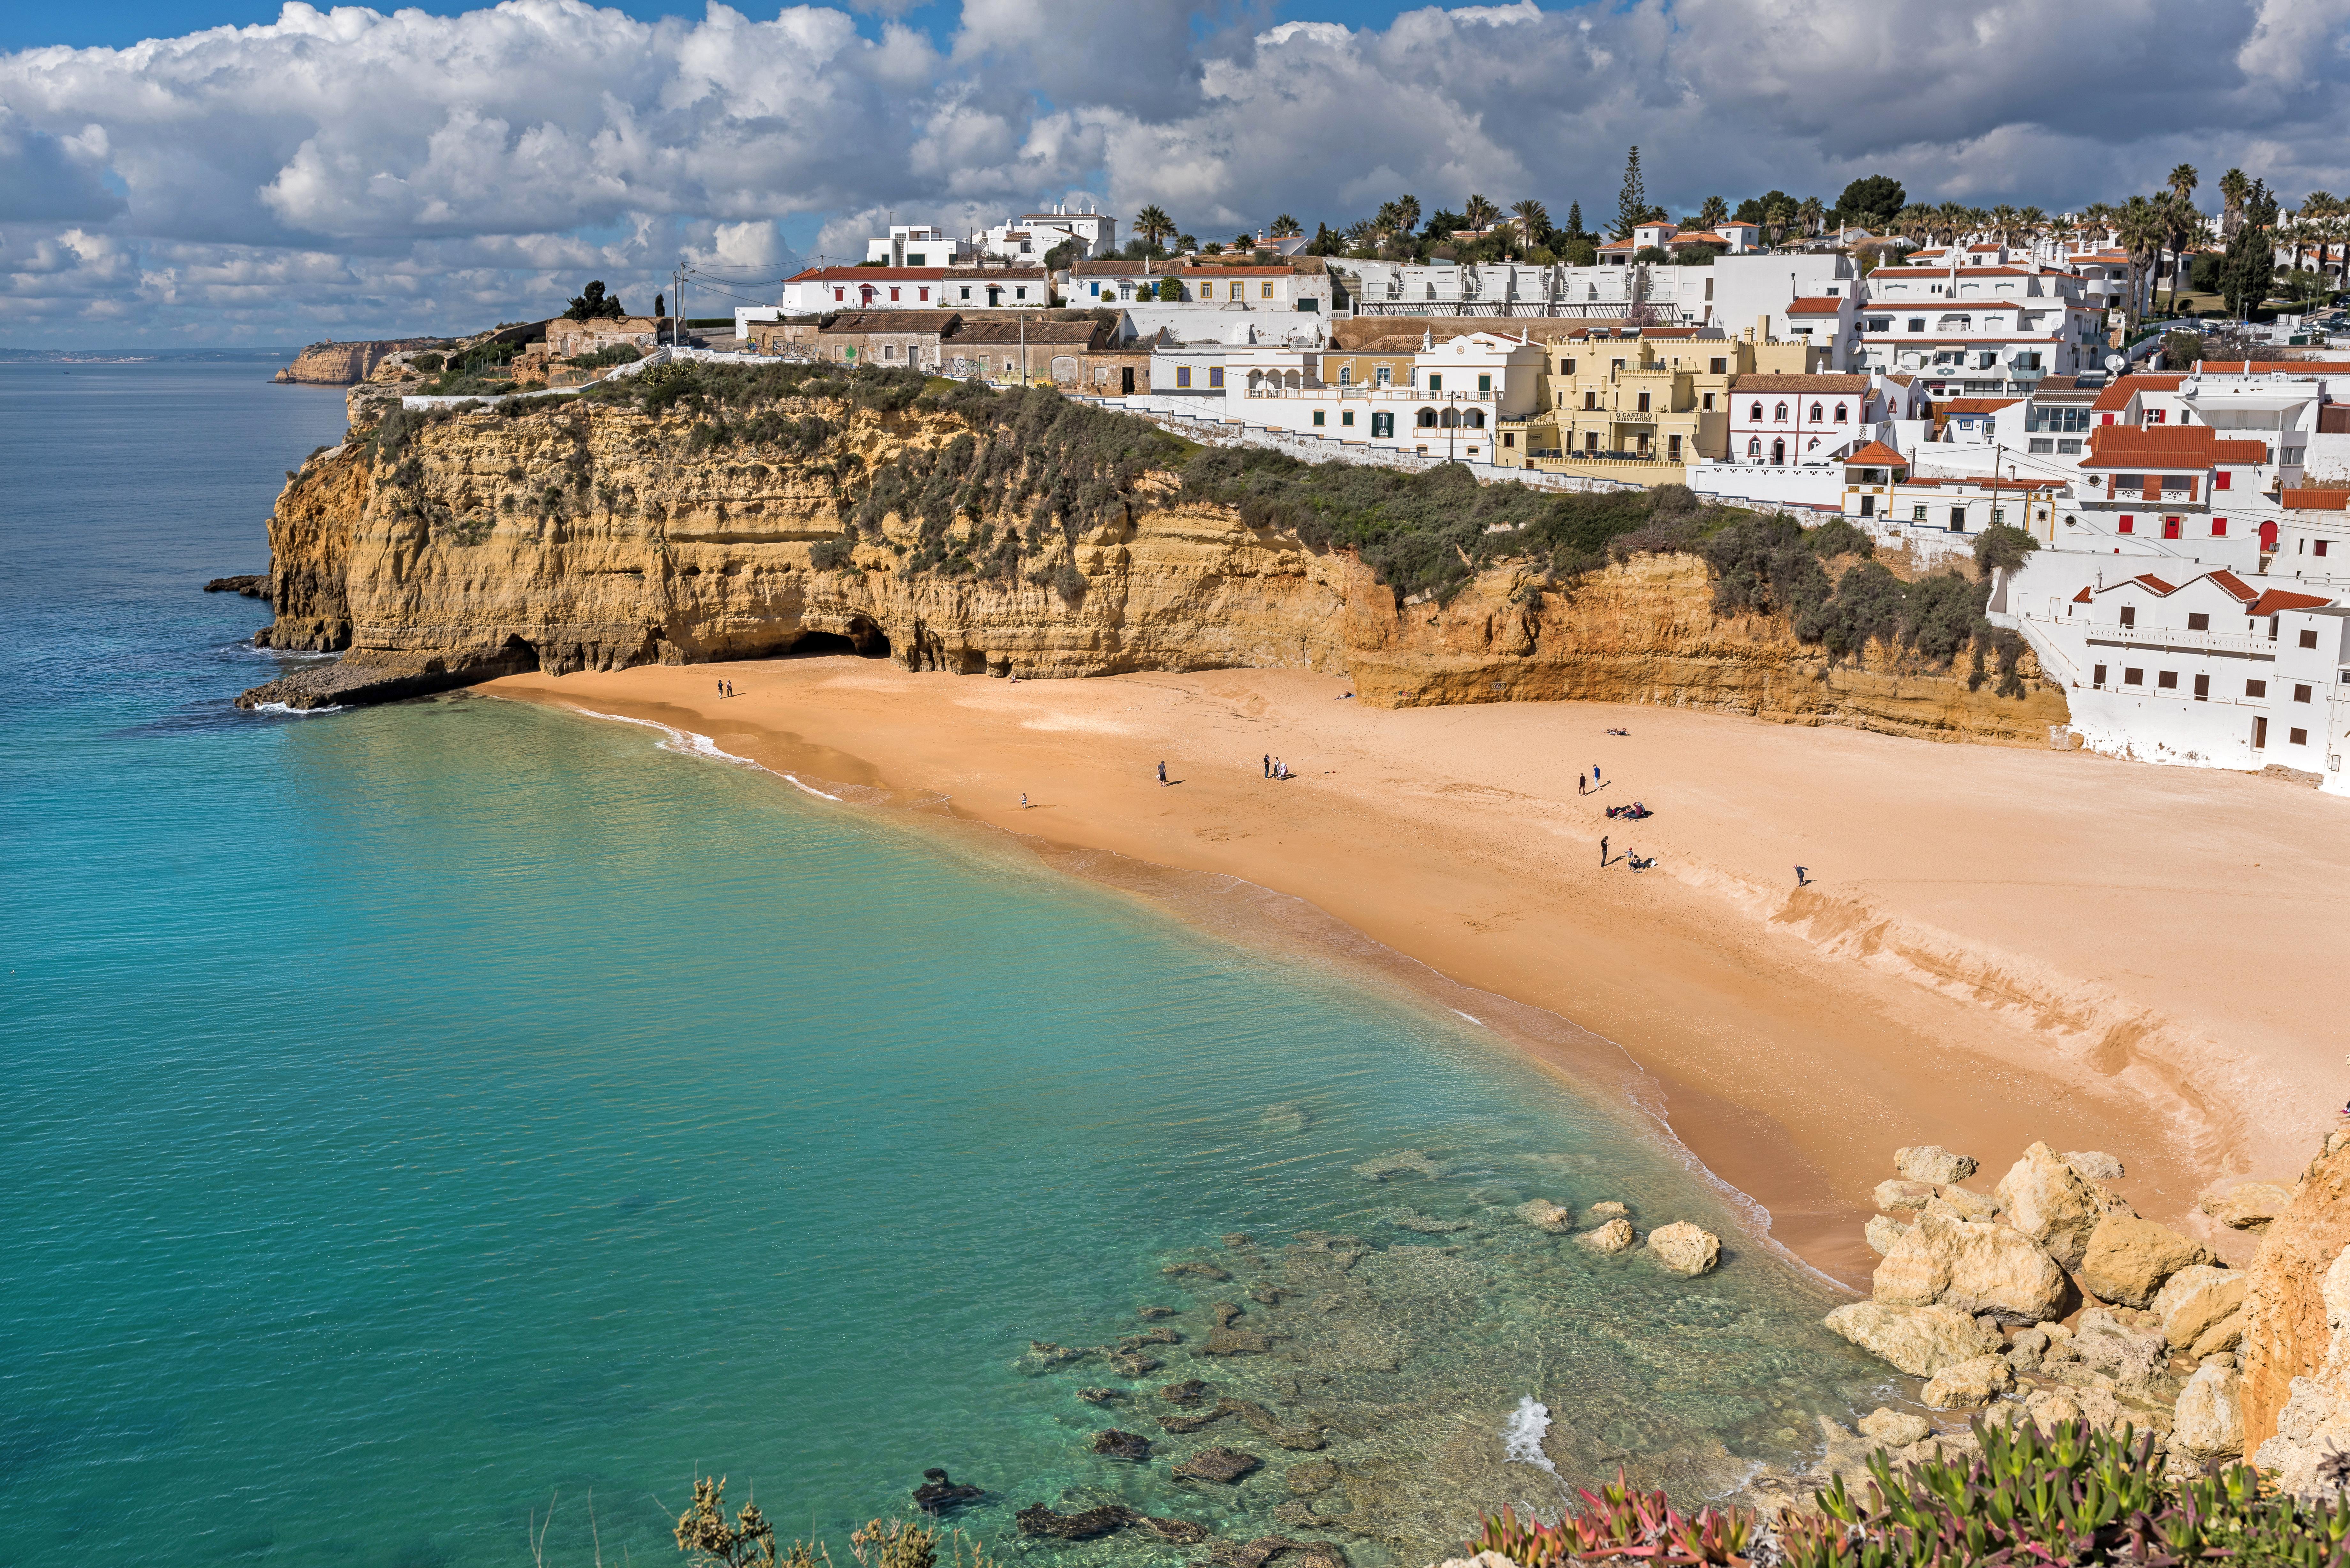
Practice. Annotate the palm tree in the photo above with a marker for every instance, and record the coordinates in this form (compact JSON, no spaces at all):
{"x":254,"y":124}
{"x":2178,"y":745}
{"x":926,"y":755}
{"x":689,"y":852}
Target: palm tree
{"x":1480,"y":213}
{"x":2182,"y":182}
{"x":2181,"y":224}
{"x":1285,"y":227}
{"x":2235,"y":189}
{"x":1406,"y":211}
{"x":1950,"y":218}
{"x":1153,"y":224}
{"x":1814,"y":215}
{"x":2034,"y":225}
{"x":1533,"y":222}
{"x":2143,"y":229}
{"x":1715,"y":211}
{"x":1915,"y":221}
{"x":2004,"y":220}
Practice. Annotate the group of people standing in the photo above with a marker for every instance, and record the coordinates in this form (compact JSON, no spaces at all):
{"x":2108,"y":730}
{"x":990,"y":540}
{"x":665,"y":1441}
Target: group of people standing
{"x":1275,"y":768}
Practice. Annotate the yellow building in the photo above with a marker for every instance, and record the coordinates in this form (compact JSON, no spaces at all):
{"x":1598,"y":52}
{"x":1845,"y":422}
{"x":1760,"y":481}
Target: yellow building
{"x":1638,"y":404}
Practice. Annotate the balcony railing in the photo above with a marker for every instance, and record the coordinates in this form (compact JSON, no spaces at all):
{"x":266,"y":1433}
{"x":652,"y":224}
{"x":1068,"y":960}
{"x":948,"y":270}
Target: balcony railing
{"x":1390,"y":394}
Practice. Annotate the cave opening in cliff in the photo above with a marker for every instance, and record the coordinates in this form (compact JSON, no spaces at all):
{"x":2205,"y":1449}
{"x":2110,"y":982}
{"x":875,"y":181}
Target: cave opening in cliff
{"x":863,"y":639}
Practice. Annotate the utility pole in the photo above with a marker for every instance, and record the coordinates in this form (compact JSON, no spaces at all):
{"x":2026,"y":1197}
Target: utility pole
{"x":1024,"y":350}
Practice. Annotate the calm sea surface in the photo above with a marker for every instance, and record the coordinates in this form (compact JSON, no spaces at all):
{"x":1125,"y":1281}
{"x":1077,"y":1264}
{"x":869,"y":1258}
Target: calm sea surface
{"x":417,"y":1114}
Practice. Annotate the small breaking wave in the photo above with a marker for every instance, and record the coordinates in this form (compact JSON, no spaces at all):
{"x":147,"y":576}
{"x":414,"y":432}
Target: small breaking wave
{"x":292,"y":711}
{"x":688,"y":743}
{"x":1523,"y":1433}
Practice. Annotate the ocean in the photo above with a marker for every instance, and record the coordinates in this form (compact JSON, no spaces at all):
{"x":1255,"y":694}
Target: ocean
{"x":423,"y":1117}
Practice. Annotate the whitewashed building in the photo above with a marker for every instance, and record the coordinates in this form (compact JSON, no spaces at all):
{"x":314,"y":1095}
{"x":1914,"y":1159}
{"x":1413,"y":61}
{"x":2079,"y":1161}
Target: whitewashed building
{"x":919,"y":244}
{"x":1978,"y":326}
{"x":1026,"y":240}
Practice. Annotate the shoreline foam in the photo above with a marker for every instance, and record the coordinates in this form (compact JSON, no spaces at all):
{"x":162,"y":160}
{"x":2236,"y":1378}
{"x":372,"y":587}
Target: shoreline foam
{"x":1786,"y":1069}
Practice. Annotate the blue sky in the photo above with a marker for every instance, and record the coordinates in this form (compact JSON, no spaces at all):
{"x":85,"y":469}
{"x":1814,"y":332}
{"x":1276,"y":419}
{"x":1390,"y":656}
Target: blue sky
{"x":378,"y":173}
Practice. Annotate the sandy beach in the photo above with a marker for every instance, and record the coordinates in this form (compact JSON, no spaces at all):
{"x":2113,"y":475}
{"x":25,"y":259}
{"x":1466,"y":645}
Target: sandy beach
{"x":1999,"y":944}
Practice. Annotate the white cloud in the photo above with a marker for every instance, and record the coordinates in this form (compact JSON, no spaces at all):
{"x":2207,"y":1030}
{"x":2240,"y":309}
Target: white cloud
{"x":350,"y":170}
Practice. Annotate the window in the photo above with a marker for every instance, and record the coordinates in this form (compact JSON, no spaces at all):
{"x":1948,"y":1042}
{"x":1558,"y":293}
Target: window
{"x":1815,"y":414}
{"x":2167,"y":680}
{"x":1755,"y":413}
{"x":1215,"y":374}
{"x":1182,"y":375}
{"x":1708,"y":402}
{"x":1317,"y":417}
{"x":966,"y":292}
{"x":888,"y":350}
{"x":2309,"y":639}
{"x":2198,"y":621}
{"x":2132,"y":677}
{"x":1265,"y":291}
{"x":2064,"y":446}
{"x":1672,"y":449}
{"x":893,"y":292}
{"x":2129,"y":614}
{"x":1207,"y":291}
{"x":1346,"y":416}
{"x":2097,"y":676}
{"x":2202,"y":688}
{"x":2128,"y":524}
{"x":2297,"y":737}
{"x":2256,"y":688}
{"x":1436,"y":383}
{"x":1382,"y":427}
{"x":1917,"y":514}
{"x":2219,"y":527}
{"x":2043,"y":443}
{"x":2130,"y":481}
{"x":1879,"y":324}
{"x":1566,"y":367}
{"x":1644,"y":400}
{"x":1754,"y":449}
{"x":2155,"y":416}
{"x":1384,"y":375}
{"x":2222,"y":480}
{"x":2317,"y":546}
{"x":1840,"y":414}
{"x":2301,"y":693}
{"x":842,"y":294}
{"x":1717,"y":368}
{"x":1346,"y":375}
{"x":1485,"y":383}
{"x":1591,"y":401}
{"x":1998,"y":516}
{"x":917,"y":259}
{"x":1508,"y":438}
{"x":1916,"y":324}
{"x":1779,"y":414}
{"x":1020,"y":293}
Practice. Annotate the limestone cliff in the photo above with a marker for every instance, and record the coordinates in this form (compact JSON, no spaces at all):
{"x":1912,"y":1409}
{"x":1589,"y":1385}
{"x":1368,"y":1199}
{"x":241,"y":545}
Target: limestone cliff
{"x":2297,"y":1319}
{"x":593,"y":536}
{"x":341,"y":364}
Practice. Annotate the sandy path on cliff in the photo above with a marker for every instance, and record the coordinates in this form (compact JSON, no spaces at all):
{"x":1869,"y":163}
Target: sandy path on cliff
{"x":2001,"y":945}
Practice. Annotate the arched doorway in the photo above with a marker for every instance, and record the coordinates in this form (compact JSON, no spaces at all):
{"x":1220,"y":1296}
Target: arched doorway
{"x":1779,"y":452}
{"x":865,"y":293}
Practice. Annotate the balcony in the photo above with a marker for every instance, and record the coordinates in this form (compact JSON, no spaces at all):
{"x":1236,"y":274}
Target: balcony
{"x":2171,"y":639}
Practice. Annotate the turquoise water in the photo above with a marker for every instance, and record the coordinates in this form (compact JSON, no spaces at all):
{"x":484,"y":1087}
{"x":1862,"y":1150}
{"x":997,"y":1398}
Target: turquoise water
{"x":418,"y":1113}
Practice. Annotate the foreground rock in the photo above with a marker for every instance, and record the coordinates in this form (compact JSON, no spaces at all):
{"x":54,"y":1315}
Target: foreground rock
{"x":1933,"y":1164}
{"x":938,"y":1494}
{"x":2045,"y":1198}
{"x":2195,"y":1301}
{"x":1972,"y":1267}
{"x":2248,"y":1205}
{"x":1684,"y":1248}
{"x":1893,"y":1428}
{"x":1221,"y":1465}
{"x":1920,"y":1340}
{"x":1615,"y":1236}
{"x":2209,"y":1423}
{"x":2128,"y":1259}
{"x":1969,"y":1385}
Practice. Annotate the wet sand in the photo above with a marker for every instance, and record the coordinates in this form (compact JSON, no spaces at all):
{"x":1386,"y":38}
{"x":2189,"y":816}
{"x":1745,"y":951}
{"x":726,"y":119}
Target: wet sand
{"x":1999,"y":945}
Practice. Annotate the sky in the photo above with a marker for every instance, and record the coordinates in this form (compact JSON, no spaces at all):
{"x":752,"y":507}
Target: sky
{"x":221,"y":173}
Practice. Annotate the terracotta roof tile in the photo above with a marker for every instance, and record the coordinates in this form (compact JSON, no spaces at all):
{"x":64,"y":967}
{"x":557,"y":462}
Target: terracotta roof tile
{"x":868,"y":274}
{"x":2116,"y":396}
{"x":1817,"y":305}
{"x":1772,"y":383}
{"x":2277,"y":600}
{"x":1977,"y":405}
{"x":2231,"y":584}
{"x":2166,"y":447}
{"x":1876,"y":454}
{"x":2317,"y":500}
{"x":891,"y":321}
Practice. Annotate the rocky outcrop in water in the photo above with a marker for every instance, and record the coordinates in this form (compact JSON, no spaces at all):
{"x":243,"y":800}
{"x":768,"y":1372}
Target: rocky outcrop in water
{"x":344,"y":364}
{"x":940,"y":1494}
{"x":600,"y":537}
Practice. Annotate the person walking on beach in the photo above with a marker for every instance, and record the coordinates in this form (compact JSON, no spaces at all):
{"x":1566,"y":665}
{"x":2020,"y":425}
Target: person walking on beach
{"x":1594,"y":773}
{"x":1803,"y":876}
{"x":1024,"y":800}
{"x":1579,"y":782}
{"x":1603,"y":849}
{"x":1268,"y":764}
{"x":721,"y":688}
{"x":1163,"y":776}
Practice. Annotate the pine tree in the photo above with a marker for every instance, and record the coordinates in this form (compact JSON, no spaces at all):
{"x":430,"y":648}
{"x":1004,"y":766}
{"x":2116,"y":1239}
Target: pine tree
{"x":1574,"y":230}
{"x":1632,"y":204}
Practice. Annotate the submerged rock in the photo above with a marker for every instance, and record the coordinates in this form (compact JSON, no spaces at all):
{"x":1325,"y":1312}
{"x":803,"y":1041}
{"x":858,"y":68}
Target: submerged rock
{"x":1223,"y":1312}
{"x":1042,"y":1355}
{"x":1684,"y":1248}
{"x":938,"y":1494}
{"x":1543,"y":1215}
{"x":1606,"y":1209}
{"x":1119,"y":1445}
{"x":1133,"y":1363}
{"x":1403,"y":1162}
{"x":1268,"y":1296}
{"x":1101,"y":1396}
{"x":1615,"y":1236}
{"x":1235,"y":1341}
{"x":1185,"y":1426}
{"x":1182,"y":1531}
{"x":1933,"y":1163}
{"x":1920,"y":1340}
{"x":1201,"y":1271}
{"x":1152,"y":1313}
{"x":1190,"y":1391}
{"x":1429,"y":1225}
{"x":1221,"y":1465}
{"x":1084,"y":1525}
{"x":1236,"y":1240}
{"x":1313,"y":1477}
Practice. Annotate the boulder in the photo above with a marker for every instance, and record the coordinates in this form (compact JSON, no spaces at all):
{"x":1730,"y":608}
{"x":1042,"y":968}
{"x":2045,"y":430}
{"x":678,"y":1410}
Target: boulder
{"x":2209,"y":1419}
{"x":2094,"y":1165}
{"x":1882,"y":1231}
{"x":2046,"y":1199}
{"x":2248,"y":1205}
{"x":1684,"y":1248}
{"x":2128,"y":1259}
{"x":1969,"y":1385}
{"x":1543,"y":1215}
{"x":1930,"y":1162}
{"x":1084,"y":1525}
{"x":2104,"y":1343}
{"x":1221,"y":1465}
{"x":2026,"y":1349}
{"x":2195,"y":1299}
{"x":1975,"y":1267}
{"x":1893,"y":1428}
{"x":1963,"y":1204}
{"x":2219,"y":1338}
{"x":1902,"y":1197}
{"x":1119,"y":1445}
{"x":1606,"y":1209}
{"x":1920,"y":1340}
{"x":938,"y":1493}
{"x":1615,"y":1236}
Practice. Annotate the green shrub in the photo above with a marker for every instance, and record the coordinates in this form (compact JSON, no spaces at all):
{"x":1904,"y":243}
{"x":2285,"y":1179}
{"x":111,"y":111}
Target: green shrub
{"x":830,"y":555}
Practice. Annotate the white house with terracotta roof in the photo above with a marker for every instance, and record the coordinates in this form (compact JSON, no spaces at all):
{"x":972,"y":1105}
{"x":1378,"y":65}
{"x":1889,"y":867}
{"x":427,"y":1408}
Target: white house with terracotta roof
{"x":1829,"y":321}
{"x":1977,"y":325}
{"x":820,"y":289}
{"x":1787,"y":421}
{"x":2208,"y":668}
{"x":2172,"y":490}
{"x":2312,"y":537}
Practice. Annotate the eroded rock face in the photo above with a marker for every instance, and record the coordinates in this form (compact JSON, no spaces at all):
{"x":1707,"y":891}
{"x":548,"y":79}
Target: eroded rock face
{"x":1903,"y":1197}
{"x":2296,"y":1321}
{"x":2248,"y":1205}
{"x":594,"y":538}
{"x":1920,"y":1340}
{"x":1684,"y":1248}
{"x":2128,"y":1259}
{"x":1882,"y":1231}
{"x":1973,"y":1267}
{"x":2045,"y":1198}
{"x":1933,"y":1164}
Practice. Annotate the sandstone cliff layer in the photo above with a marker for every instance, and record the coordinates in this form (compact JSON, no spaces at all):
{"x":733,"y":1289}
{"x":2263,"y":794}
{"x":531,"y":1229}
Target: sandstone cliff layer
{"x":341,"y":364}
{"x":594,"y":536}
{"x":2297,"y":1323}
